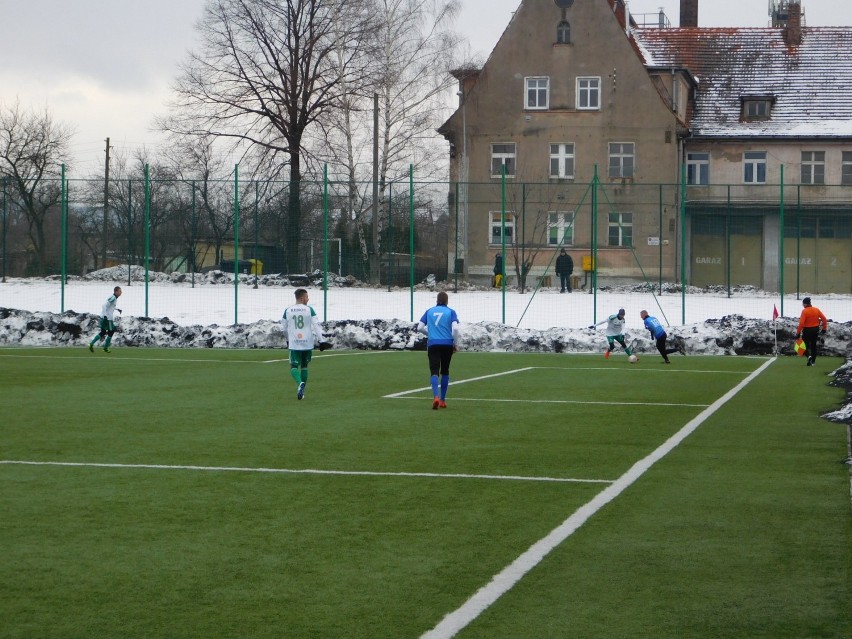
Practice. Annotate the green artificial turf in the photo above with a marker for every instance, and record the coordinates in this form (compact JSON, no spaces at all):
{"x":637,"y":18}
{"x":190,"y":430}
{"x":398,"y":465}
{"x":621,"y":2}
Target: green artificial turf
{"x":202,"y":499}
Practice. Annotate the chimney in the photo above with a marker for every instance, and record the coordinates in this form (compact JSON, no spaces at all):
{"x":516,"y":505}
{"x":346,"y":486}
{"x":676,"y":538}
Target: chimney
{"x":689,"y":13}
{"x":793,"y":30}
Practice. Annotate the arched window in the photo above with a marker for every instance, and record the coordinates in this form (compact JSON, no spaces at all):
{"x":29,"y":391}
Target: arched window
{"x":563,"y":33}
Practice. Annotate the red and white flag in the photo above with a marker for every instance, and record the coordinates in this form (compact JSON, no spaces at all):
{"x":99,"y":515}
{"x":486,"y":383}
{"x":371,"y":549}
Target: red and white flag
{"x":774,"y":312}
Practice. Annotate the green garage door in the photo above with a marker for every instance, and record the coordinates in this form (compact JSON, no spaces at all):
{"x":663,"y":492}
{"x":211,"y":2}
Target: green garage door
{"x":818,"y":254}
{"x":727,"y":250}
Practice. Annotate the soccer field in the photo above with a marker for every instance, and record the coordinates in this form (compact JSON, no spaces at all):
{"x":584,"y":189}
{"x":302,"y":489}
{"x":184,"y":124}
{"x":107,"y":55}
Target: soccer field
{"x":187,"y":493}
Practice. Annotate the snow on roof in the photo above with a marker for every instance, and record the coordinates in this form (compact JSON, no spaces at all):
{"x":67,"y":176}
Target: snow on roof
{"x":810,"y":84}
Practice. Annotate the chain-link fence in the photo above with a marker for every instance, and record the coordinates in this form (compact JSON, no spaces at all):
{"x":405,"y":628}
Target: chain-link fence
{"x":715,"y":239}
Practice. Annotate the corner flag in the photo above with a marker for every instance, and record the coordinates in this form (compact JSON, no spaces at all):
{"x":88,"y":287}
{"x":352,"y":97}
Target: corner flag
{"x":775,"y":326}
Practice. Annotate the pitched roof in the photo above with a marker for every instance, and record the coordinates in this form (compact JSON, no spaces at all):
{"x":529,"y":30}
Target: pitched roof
{"x":811,"y":83}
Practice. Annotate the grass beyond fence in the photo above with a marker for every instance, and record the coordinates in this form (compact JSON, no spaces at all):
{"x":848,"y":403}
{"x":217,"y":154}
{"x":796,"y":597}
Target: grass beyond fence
{"x":187,"y":493}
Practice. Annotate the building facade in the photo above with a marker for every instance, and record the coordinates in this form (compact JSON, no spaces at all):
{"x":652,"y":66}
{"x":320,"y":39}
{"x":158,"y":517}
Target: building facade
{"x":662,"y":152}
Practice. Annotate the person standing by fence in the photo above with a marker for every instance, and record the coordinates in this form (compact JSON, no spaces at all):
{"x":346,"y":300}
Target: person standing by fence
{"x":809,"y":328}
{"x":564,"y":269}
{"x":499,"y":272}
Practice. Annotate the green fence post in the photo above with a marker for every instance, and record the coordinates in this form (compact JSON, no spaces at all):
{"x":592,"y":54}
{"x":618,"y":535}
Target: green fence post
{"x":660,"y":239}
{"x":781,"y":244}
{"x":256,"y":229}
{"x":325,"y":242}
{"x":63,"y":216}
{"x":523,"y":275}
{"x":728,"y":243}
{"x":192,"y":240}
{"x":683,"y":243}
{"x":594,"y":242}
{"x":503,"y":239}
{"x":236,"y":241}
{"x":411,"y":238}
{"x":456,"y":241}
{"x":390,"y":235}
{"x":5,"y":204}
{"x":147,"y":233}
{"x":129,"y":226}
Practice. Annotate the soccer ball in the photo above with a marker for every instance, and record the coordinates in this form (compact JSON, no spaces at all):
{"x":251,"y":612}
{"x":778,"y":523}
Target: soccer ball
{"x":633,"y":359}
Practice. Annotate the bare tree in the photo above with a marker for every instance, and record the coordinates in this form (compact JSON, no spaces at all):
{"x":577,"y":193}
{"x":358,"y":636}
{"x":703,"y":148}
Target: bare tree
{"x":417,"y":48}
{"x":266,"y":70}
{"x":531,"y":206}
{"x":32,"y":149}
{"x":410,"y":57}
{"x":209,"y":196}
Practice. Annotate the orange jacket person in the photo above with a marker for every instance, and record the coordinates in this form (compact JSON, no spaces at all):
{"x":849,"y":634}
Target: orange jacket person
{"x":809,"y":328}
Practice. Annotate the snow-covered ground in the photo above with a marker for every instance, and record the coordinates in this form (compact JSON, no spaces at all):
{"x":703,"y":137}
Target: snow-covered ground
{"x":359,"y":317}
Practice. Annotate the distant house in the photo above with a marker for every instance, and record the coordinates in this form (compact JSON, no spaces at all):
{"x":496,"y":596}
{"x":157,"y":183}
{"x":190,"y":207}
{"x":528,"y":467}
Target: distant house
{"x":575,"y":90}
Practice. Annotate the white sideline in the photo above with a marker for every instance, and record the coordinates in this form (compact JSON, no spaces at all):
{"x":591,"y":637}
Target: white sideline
{"x":557,"y":401}
{"x":503,"y":581}
{"x":304,"y":471}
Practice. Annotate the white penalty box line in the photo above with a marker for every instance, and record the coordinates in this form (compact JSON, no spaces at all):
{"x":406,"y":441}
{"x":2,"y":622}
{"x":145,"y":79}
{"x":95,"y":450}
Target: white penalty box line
{"x":404,"y":394}
{"x":301,"y":471}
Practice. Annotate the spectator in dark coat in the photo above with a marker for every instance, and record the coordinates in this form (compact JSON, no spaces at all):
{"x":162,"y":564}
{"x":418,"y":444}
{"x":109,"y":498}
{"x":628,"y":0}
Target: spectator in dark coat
{"x":564,"y":268}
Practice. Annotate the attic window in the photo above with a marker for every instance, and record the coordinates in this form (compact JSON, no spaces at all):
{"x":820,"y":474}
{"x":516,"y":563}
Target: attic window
{"x":563,"y":33}
{"x":755,"y":109}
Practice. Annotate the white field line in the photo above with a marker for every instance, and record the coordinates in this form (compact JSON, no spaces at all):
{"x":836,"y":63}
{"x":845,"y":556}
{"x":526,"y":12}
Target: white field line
{"x":503,"y":581}
{"x":461,"y":381}
{"x":112,"y":356}
{"x":559,"y":401}
{"x":303,"y":471}
{"x":640,"y":370}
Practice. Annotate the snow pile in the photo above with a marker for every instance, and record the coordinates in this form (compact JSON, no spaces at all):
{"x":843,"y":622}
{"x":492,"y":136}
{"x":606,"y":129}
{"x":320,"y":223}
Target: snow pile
{"x":731,"y":335}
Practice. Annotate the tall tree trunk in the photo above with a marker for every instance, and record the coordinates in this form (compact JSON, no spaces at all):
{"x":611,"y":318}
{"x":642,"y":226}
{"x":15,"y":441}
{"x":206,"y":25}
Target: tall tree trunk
{"x":294,"y":214}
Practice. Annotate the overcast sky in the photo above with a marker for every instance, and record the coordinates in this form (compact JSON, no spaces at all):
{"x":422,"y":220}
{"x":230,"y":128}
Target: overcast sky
{"x":105,"y":66}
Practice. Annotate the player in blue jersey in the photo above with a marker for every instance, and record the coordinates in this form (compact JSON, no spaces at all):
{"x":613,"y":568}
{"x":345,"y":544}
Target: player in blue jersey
{"x":614,"y":332}
{"x":658,"y":334}
{"x":303,"y":332}
{"x":440,"y":324}
{"x":107,"y":321}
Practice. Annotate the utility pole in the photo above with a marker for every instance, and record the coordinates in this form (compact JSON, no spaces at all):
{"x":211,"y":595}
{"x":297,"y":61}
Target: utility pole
{"x":106,"y":204}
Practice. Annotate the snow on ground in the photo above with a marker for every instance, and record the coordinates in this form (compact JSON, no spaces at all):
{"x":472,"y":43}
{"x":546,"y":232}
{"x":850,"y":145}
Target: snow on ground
{"x":355,"y":316}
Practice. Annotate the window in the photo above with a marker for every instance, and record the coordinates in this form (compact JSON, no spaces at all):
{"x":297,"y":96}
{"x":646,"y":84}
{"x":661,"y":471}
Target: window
{"x":497,"y":228}
{"x":560,"y":228}
{"x":621,"y":229}
{"x":846,"y":168}
{"x":754,"y":167}
{"x":756,"y":108}
{"x":562,"y":160}
{"x":813,"y":167}
{"x":563,"y":33}
{"x":698,"y":168}
{"x":800,"y":227}
{"x":588,"y":94}
{"x":503,"y":155}
{"x":537,"y":93}
{"x":621,"y":159}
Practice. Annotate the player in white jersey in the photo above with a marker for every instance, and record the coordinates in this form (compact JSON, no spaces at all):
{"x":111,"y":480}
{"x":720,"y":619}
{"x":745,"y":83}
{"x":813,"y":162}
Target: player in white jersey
{"x":614,"y":332}
{"x":303,"y":333}
{"x":107,"y":321}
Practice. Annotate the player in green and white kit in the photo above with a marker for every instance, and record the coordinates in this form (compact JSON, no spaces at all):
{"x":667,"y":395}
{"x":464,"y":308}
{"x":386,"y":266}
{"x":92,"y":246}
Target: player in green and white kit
{"x":303,"y":332}
{"x":614,"y":332}
{"x":107,"y":321}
